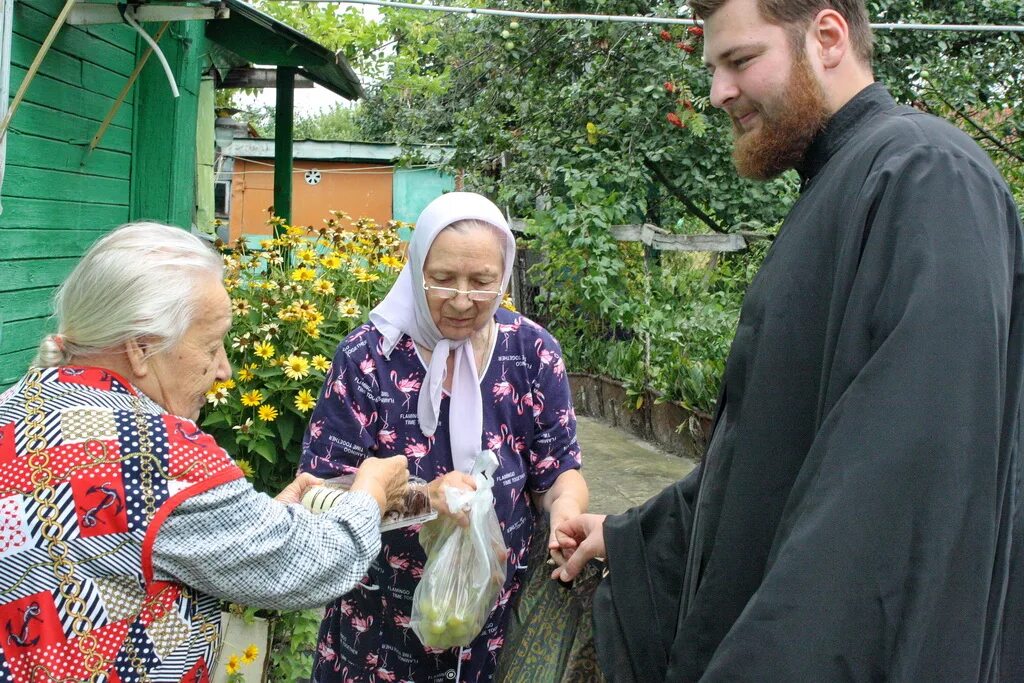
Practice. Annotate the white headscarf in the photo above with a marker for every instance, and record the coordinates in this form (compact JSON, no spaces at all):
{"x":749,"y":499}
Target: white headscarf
{"x":405,"y":311}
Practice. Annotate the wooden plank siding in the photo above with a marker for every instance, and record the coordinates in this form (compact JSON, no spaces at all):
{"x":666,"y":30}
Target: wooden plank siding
{"x":56,"y":199}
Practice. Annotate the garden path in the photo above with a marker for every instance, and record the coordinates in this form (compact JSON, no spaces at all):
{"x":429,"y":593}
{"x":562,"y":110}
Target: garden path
{"x":622,"y":470}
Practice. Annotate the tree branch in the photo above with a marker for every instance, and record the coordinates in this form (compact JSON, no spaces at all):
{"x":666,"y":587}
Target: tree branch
{"x":1003,"y":147}
{"x":674,"y":190}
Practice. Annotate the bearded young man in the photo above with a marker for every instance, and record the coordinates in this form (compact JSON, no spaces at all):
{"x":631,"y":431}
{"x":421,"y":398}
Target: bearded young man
{"x":858,"y":514}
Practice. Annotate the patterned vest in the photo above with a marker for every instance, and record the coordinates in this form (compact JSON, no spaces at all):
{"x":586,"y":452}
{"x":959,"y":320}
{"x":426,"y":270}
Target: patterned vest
{"x":89,"y":469}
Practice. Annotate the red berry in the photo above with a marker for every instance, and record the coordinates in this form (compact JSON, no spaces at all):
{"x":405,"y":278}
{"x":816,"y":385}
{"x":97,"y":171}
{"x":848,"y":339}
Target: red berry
{"x":674,"y":119}
{"x":665,"y":35}
{"x":685,"y":46}
{"x":670,"y":86}
{"x":695,"y":31}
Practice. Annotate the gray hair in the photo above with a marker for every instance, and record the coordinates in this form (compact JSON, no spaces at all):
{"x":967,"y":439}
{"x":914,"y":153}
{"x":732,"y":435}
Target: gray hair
{"x":469,"y":224}
{"x":135,"y":282}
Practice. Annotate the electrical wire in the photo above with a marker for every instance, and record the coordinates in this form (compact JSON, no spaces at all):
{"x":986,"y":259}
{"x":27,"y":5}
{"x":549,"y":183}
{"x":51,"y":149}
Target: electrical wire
{"x":632,"y":19}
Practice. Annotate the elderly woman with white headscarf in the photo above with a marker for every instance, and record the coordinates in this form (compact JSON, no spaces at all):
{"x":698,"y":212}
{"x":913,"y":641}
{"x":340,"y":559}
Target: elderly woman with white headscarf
{"x":438,"y":374}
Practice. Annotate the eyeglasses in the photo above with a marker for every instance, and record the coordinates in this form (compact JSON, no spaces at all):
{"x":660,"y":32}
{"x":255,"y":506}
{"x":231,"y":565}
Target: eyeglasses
{"x":445,"y":293}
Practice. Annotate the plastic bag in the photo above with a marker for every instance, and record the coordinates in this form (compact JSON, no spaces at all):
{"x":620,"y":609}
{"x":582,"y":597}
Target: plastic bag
{"x":465,"y":568}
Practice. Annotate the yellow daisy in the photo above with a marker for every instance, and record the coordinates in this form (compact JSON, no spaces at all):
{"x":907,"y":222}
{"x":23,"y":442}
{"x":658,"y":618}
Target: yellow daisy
{"x":246,"y":374}
{"x":250,"y":654}
{"x":304,"y":401}
{"x":264,"y":349}
{"x":391,"y":262}
{"x":247,"y":470}
{"x":506,"y":302}
{"x":296,"y":367}
{"x":323,"y":287}
{"x":363,"y":275}
{"x":234,"y":665}
{"x":348,"y":308}
{"x":306,"y":256}
{"x":252,"y":398}
{"x":320,"y":363}
{"x":332,"y":262}
{"x":295,"y":230}
{"x":217,"y":396}
{"x":312,"y":330}
{"x":267,"y":413}
{"x":267,"y":244}
{"x":303,"y":274}
{"x":227,"y":384}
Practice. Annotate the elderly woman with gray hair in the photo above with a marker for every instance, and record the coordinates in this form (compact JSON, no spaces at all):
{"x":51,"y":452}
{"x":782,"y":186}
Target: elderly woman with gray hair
{"x":121,"y":522}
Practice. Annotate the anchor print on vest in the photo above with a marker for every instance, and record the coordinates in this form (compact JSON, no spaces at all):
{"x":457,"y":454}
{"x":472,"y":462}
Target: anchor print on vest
{"x":110,"y":498}
{"x":21,"y":639}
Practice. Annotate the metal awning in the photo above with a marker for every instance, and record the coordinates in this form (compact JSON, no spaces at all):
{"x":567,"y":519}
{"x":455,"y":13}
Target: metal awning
{"x":258,"y":38}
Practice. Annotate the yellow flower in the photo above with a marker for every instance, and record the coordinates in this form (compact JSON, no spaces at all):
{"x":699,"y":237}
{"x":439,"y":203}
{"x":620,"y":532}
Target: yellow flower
{"x":307,"y":256}
{"x":304,"y":401}
{"x":227,"y":384}
{"x":295,"y":230}
{"x":506,"y":302}
{"x":296,"y":367}
{"x":250,"y":654}
{"x":267,"y":413}
{"x":246,"y":374}
{"x":323,"y":287}
{"x":362,"y":275}
{"x":234,"y":665}
{"x":267,"y":244}
{"x":303,"y":274}
{"x":332,"y":262}
{"x":217,"y":396}
{"x":391,"y":262}
{"x":312,"y":330}
{"x":348,"y":308}
{"x":252,"y":398}
{"x":247,"y":471}
{"x":264,"y":349}
{"x":320,"y":363}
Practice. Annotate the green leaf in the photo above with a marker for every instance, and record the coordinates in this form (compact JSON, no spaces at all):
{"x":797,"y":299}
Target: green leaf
{"x":265,"y":449}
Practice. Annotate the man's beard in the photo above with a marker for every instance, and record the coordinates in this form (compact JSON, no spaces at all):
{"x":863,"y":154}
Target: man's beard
{"x":789,"y":122}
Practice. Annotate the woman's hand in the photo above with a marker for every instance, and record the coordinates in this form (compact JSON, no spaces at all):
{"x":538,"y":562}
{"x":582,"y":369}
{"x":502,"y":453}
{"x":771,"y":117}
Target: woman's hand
{"x":386,"y":479}
{"x":458,"y":480}
{"x":562,"y":510}
{"x":294,"y":492}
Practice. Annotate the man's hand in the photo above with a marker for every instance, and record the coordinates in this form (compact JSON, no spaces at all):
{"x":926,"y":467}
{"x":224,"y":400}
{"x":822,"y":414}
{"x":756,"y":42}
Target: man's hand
{"x":386,"y":479}
{"x":294,"y":492}
{"x":579,"y":539}
{"x":563,"y":509}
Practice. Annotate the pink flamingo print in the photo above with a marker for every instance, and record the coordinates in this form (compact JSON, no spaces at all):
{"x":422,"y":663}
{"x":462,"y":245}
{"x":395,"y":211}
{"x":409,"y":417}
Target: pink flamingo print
{"x":337,"y":385}
{"x":494,"y":646}
{"x":363,"y":329}
{"x":396,"y":562}
{"x":503,"y":389}
{"x":559,"y":367}
{"x":514,"y":495}
{"x":363,"y":419}
{"x":565,"y":416}
{"x":327,"y":654}
{"x":417,"y":450}
{"x":495,"y":441}
{"x":362,"y":624}
{"x":368,"y":367}
{"x":545,"y":356}
{"x":384,"y":674}
{"x":407,"y":385}
{"x":546,"y":463}
{"x":508,"y":329}
{"x":517,"y":444}
{"x":316,"y":428}
{"x":534,"y":400}
{"x":386,"y":436}
{"x":371,"y":659}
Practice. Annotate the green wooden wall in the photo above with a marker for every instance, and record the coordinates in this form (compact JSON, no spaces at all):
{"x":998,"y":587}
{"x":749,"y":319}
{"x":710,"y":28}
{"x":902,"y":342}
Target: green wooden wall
{"x":56,"y":199}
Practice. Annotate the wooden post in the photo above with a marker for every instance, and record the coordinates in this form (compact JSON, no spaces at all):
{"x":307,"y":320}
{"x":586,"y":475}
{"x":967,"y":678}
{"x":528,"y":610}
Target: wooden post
{"x":284,"y":120}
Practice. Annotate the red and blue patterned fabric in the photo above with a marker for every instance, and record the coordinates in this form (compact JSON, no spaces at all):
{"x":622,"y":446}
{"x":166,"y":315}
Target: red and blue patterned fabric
{"x":89,"y":469}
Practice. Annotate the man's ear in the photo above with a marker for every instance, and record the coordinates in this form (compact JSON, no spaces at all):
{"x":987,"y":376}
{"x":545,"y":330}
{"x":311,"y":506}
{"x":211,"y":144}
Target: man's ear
{"x":831,"y":37}
{"x":137,"y":353}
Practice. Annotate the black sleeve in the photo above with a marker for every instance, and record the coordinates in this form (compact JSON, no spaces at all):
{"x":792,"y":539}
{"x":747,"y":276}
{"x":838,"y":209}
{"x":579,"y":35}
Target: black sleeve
{"x":636,"y":606}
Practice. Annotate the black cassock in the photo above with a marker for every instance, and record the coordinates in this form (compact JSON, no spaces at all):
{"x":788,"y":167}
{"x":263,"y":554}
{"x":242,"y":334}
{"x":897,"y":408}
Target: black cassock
{"x":858,"y":514}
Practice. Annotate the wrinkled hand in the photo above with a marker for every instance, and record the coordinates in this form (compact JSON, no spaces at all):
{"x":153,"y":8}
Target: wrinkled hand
{"x":579,"y":539}
{"x":457,"y":480}
{"x":563,"y":509}
{"x":294,"y":492}
{"x":386,"y":479}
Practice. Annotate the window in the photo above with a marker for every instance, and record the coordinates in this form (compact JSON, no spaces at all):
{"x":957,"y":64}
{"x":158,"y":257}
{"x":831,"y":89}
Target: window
{"x":222,"y":199}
